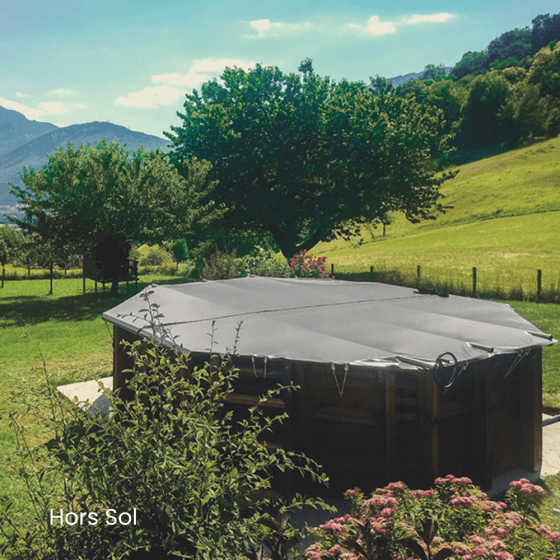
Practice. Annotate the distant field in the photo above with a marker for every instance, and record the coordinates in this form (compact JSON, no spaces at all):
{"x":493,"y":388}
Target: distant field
{"x":505,"y":221}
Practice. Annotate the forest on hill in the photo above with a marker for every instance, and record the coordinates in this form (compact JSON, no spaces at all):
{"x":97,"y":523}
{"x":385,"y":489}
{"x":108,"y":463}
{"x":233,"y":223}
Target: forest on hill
{"x":496,"y":99}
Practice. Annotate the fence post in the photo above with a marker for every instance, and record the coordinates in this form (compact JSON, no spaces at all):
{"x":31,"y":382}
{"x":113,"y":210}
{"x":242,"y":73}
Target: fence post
{"x":371,"y":269}
{"x":474,"y":280}
{"x":332,"y":268}
{"x":539,"y":283}
{"x":418,"y":273}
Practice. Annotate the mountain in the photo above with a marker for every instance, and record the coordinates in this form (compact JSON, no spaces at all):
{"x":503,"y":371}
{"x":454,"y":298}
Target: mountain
{"x":16,"y":130}
{"x":401,"y":79}
{"x":33,"y":153}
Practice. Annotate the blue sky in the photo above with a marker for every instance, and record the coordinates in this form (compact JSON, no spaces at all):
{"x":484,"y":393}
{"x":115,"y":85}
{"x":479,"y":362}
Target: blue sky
{"x":131,"y":62}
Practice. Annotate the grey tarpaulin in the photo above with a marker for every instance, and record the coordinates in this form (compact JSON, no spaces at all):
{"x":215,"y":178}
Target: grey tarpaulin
{"x":331,"y":321}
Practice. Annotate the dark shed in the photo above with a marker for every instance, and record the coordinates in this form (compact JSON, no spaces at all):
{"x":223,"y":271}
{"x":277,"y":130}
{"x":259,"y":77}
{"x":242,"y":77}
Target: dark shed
{"x":394,"y":384}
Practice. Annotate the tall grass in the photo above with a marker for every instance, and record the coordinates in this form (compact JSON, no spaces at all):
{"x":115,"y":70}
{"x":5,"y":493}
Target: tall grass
{"x":517,"y":285}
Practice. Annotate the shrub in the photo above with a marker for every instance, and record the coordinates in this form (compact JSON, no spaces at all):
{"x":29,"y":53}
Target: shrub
{"x":453,"y":520}
{"x":305,"y":266}
{"x":154,"y":256}
{"x":263,"y":262}
{"x":221,"y":266}
{"x":171,"y":454}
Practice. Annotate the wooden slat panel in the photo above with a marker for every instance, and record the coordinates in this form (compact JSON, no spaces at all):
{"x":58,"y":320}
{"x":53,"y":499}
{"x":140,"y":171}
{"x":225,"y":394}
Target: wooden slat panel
{"x":406,"y":401}
{"x":390,"y":425}
{"x":450,"y":409}
{"x":345,"y":415}
{"x":252,"y":400}
{"x":288,"y":424}
{"x":427,"y":402}
{"x":531,"y":413}
{"x":407,"y":416}
{"x":301,"y":410}
{"x":480,"y":437}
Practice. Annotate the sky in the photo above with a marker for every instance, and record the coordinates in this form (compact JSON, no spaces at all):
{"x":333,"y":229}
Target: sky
{"x":131,"y":62}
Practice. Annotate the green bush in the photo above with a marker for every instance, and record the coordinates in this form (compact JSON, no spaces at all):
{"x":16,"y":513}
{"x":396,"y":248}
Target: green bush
{"x":220,"y":266}
{"x":263,"y":262}
{"x":170,"y":456}
{"x":153,"y":256}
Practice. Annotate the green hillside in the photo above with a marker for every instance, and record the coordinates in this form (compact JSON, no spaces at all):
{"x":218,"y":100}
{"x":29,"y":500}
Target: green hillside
{"x":505,"y":221}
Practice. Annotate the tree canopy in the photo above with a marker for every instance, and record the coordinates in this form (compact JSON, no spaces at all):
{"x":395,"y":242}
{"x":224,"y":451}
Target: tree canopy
{"x":306,"y":158}
{"x":88,"y":195}
{"x":10,"y":242}
{"x":546,"y":28}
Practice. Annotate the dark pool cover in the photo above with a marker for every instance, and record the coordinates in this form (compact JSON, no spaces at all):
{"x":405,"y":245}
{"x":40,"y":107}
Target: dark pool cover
{"x":332,"y":321}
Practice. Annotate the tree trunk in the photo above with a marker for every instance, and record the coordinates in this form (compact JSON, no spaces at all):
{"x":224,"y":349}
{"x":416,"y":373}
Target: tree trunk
{"x":51,"y":270}
{"x":288,"y":245}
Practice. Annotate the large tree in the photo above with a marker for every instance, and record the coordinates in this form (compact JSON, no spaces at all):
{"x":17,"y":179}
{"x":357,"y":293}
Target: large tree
{"x":306,"y":158}
{"x":471,"y":64}
{"x":10,"y":243}
{"x":92,"y":195}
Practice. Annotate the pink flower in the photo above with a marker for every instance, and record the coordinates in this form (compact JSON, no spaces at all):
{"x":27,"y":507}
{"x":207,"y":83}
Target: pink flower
{"x":477,"y":540}
{"x":503,"y":555}
{"x":335,"y":549}
{"x":332,"y":527}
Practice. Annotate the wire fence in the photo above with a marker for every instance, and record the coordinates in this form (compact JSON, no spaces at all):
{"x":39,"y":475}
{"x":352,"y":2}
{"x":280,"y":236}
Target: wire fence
{"x":518,"y":285}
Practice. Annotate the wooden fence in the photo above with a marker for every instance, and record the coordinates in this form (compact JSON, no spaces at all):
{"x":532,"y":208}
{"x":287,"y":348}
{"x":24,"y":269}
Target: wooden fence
{"x":417,"y":277}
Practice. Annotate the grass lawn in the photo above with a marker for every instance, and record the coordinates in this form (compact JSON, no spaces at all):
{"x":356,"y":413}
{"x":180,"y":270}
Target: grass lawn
{"x":76,"y":344}
{"x":504,"y":220}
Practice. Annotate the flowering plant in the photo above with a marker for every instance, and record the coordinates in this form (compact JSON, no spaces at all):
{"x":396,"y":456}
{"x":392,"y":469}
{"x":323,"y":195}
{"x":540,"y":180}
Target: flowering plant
{"x":455,"y":519}
{"x":305,"y":266}
{"x":262,"y":262}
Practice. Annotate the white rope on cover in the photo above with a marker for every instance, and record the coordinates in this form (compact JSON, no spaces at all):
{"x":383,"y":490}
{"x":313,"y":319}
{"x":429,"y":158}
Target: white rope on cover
{"x":264,"y":366}
{"x":346,"y":368}
{"x":520,"y":355}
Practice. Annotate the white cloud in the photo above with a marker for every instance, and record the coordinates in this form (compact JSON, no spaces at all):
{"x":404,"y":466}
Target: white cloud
{"x":376,"y":27}
{"x":45,"y":108}
{"x":174,"y":86}
{"x":30,"y":113}
{"x":150,"y":97}
{"x":373,"y":27}
{"x":435,"y":18}
{"x":267,"y":28}
{"x":62,"y":91}
{"x":23,"y":95}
